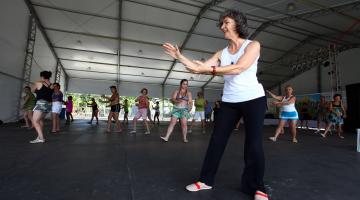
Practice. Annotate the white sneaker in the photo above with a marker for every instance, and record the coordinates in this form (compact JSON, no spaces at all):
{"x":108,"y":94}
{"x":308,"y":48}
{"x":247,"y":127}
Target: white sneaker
{"x":197,"y":187}
{"x":147,"y":132}
{"x":164,"y":139}
{"x":323,"y":135}
{"x":37,"y":140}
{"x":260,"y":196}
{"x":133,"y":131}
{"x":189,"y":131}
{"x":272,"y":139}
{"x":294,"y":140}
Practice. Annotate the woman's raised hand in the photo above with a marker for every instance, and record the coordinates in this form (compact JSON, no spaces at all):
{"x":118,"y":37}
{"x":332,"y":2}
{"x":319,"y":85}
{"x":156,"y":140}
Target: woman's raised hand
{"x":172,"y":50}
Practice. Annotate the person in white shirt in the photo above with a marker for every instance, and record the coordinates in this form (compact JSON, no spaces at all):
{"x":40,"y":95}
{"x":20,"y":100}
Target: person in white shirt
{"x":243,"y":96}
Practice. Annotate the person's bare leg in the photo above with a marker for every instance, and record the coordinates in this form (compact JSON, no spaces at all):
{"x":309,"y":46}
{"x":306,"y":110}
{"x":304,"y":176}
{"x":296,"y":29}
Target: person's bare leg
{"x":192,"y":125}
{"x":54,"y":122}
{"x":117,"y":122}
{"x":328,"y":127}
{"x":30,"y":116}
{"x":109,"y":122}
{"x":134,"y":123}
{"x":292,"y":127}
{"x":27,"y":121}
{"x":38,"y":124}
{"x":278,"y":130}
{"x":58,"y":123}
{"x":147,"y":126}
{"x":96,"y":116}
{"x":170,"y":128}
{"x":184,"y":129}
{"x":339,"y":131}
{"x":203,"y":124}
{"x":92,"y":117}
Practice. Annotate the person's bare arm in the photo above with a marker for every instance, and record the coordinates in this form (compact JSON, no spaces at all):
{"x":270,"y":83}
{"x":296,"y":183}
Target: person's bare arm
{"x":291,"y":101}
{"x":190,"y":101}
{"x":173,"y":97}
{"x":36,"y":86}
{"x":279,"y":98}
{"x":344,"y":110}
{"x":251,"y":53}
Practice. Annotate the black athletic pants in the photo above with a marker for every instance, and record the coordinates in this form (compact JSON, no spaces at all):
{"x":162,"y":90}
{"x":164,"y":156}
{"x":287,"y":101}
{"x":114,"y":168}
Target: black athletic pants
{"x":253,"y":113}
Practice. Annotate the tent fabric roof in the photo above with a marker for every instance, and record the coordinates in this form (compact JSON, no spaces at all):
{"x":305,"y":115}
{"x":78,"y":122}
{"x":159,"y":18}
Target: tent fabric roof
{"x":85,"y":35}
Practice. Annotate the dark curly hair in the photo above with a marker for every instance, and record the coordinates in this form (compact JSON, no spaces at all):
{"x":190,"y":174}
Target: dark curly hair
{"x":144,"y":89}
{"x":45,"y":74}
{"x":240,"y":20}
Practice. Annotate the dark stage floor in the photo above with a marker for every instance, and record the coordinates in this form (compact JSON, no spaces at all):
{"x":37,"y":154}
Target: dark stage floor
{"x":85,"y":163}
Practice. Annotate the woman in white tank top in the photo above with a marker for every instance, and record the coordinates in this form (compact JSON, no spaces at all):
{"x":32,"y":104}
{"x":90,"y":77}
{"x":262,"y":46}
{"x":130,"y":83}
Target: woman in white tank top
{"x":243,"y":96}
{"x":287,"y":112}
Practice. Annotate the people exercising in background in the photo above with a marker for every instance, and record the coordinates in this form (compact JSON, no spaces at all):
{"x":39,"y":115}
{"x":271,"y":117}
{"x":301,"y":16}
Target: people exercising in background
{"x":29,"y":103}
{"x":182,"y":100}
{"x":95,"y":111}
{"x":322,"y":113}
{"x":199,"y":111}
{"x":149,"y":114}
{"x":115,"y":107}
{"x":287,"y":112}
{"x":143,"y":105}
{"x":337,"y":114}
{"x":43,"y":90}
{"x":57,"y":102}
{"x":305,"y":115}
{"x":69,"y":109}
{"x":216,"y":109}
{"x":208,"y":111}
{"x":157,"y":113}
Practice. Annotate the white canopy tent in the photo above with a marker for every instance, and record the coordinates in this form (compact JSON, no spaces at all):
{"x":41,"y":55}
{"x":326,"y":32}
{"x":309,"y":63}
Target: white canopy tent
{"x":91,"y":44}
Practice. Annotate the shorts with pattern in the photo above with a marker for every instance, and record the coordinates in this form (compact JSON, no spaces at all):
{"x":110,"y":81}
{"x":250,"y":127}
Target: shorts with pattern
{"x":42,"y":106}
{"x":142,"y":112}
{"x":180,"y":113}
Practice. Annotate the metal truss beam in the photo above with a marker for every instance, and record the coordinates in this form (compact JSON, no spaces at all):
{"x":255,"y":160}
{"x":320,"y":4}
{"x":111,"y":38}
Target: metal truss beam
{"x":29,"y":53}
{"x":99,"y":79}
{"x":290,"y":16}
{"x":131,"y":66}
{"x":150,"y":24}
{"x":58,"y":72}
{"x":113,"y":54}
{"x":119,"y":42}
{"x":195,"y":23}
{"x":133,"y":75}
{"x":301,"y":71}
{"x":136,"y":41}
{"x":207,"y":82}
{"x":42,"y":30}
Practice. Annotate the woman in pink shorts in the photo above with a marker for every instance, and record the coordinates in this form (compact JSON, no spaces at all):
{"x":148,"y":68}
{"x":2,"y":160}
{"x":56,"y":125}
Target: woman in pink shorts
{"x":143,"y":104}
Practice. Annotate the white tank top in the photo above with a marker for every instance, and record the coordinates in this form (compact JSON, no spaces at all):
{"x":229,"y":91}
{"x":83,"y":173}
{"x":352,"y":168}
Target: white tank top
{"x":244,"y":86}
{"x":289,"y":107}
